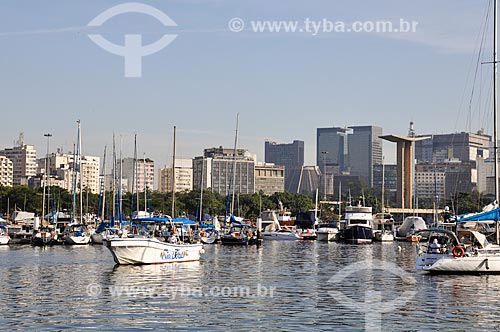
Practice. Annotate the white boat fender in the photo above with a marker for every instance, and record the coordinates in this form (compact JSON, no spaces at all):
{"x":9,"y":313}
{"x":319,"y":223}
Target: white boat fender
{"x":202,"y":251}
{"x":399,"y":248}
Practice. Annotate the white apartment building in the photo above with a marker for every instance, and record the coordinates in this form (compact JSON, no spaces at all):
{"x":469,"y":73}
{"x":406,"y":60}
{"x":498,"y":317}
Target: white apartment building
{"x":61,"y":167}
{"x":24,"y":164}
{"x":6,"y":172}
{"x":144,"y":174}
{"x":183,"y":176}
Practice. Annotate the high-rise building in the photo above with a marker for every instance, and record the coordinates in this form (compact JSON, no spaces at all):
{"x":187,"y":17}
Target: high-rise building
{"x":289,"y":155}
{"x":216,"y":167}
{"x":269,"y":178}
{"x":23,"y":159}
{"x":142,"y":172}
{"x":430,"y":181}
{"x":6,"y":172}
{"x":390,"y":181}
{"x":62,"y":166}
{"x":183,"y":176}
{"x":460,"y":146}
{"x":354,"y":150}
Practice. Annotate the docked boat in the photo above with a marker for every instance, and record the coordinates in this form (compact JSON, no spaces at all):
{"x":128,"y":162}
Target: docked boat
{"x":76,"y":234}
{"x":240,"y":234}
{"x":409,"y":228}
{"x":4,"y":236}
{"x":358,"y":224}
{"x":209,"y":235}
{"x":153,"y":240}
{"x":468,"y":253}
{"x":383,"y":224}
{"x":272,"y":230}
{"x":45,"y":236}
{"x":305,"y":224}
{"x":327,"y":232}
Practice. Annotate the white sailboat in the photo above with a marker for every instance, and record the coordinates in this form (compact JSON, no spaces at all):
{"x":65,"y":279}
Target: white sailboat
{"x":77,"y":232}
{"x":272,"y":230}
{"x":469,"y":252}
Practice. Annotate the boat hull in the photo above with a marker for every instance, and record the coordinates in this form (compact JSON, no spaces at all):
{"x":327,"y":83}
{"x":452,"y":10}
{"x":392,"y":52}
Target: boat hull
{"x":137,"y":251}
{"x":77,"y":240}
{"x":383,"y":237}
{"x":327,"y":235}
{"x":281,"y":236}
{"x":96,"y":238}
{"x":4,"y":240}
{"x":358,"y":235}
{"x":462,"y":265}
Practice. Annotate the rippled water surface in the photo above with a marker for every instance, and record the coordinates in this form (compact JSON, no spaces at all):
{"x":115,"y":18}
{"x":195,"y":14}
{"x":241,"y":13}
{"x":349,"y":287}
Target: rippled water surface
{"x":280,"y":286}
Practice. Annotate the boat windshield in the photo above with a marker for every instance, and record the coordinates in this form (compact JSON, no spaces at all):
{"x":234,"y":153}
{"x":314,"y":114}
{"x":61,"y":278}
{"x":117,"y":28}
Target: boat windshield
{"x":358,"y":222}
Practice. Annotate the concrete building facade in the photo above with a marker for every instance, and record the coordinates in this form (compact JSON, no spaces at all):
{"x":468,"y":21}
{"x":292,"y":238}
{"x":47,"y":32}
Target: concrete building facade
{"x":183,"y":176}
{"x":269,"y":178}
{"x":6,"y":172}
{"x":24,"y":163}
{"x":144,"y":176}
{"x":216,"y":166}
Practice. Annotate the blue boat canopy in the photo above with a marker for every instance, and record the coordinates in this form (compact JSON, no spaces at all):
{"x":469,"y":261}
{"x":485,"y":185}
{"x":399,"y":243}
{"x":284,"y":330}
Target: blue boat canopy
{"x":483,"y":216}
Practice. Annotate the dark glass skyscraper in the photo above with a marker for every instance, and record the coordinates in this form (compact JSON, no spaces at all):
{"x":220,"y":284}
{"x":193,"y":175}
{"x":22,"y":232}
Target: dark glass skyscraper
{"x":290,"y":155}
{"x":354,"y":150}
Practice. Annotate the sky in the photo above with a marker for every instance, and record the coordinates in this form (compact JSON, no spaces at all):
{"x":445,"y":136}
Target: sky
{"x":283,"y":85}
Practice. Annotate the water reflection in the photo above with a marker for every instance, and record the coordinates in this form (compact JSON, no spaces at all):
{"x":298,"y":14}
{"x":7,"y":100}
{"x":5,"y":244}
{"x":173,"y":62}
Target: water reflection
{"x":75,"y":288}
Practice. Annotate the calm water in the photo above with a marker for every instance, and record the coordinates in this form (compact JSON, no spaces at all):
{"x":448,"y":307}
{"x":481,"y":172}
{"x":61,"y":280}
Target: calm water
{"x":278,"y":286}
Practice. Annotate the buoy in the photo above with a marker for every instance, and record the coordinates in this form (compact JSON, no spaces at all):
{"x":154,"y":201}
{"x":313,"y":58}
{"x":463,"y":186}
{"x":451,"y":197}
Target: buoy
{"x":399,"y":248}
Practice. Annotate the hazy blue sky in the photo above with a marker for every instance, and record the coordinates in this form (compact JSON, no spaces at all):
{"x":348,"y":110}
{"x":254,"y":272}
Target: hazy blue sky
{"x":284,"y":85}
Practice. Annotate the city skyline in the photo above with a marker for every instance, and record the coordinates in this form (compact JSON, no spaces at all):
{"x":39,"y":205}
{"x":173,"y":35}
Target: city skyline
{"x":54,"y":75}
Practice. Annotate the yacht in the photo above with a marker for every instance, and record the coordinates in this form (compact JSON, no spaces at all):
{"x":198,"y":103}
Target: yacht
{"x":358,"y":224}
{"x":76,"y":234}
{"x":153,"y":240}
{"x":272,"y":230}
{"x":468,"y":253}
{"x":327,"y":232}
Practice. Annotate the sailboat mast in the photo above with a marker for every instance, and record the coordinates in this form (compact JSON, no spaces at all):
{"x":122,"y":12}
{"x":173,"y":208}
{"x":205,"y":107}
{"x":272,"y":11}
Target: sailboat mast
{"x":80,"y":170}
{"x":103,"y":208}
{"x":495,"y":106}
{"x":114,"y":177}
{"x":145,"y":186}
{"x":134,"y":176}
{"x":173,"y":176}
{"x":383,"y":185}
{"x":234,"y":161}
{"x":201,"y":188}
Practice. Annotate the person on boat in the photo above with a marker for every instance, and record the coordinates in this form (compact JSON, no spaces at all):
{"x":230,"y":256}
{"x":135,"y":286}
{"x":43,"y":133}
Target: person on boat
{"x":435,"y":247}
{"x":173,"y":239}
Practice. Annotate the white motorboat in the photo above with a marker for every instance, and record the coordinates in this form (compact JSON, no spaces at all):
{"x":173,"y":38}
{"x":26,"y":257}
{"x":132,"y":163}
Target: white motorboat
{"x":272,"y":230}
{"x":327,"y":232}
{"x":383,"y":227}
{"x":76,"y":234}
{"x":4,"y":236}
{"x":469,"y":253}
{"x":358,"y":224}
{"x":136,"y":250}
{"x":141,"y":246}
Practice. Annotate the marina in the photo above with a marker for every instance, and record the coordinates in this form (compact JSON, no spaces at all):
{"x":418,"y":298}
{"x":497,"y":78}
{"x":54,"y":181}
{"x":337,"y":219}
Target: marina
{"x":75,"y":288}
{"x":185,"y":169}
